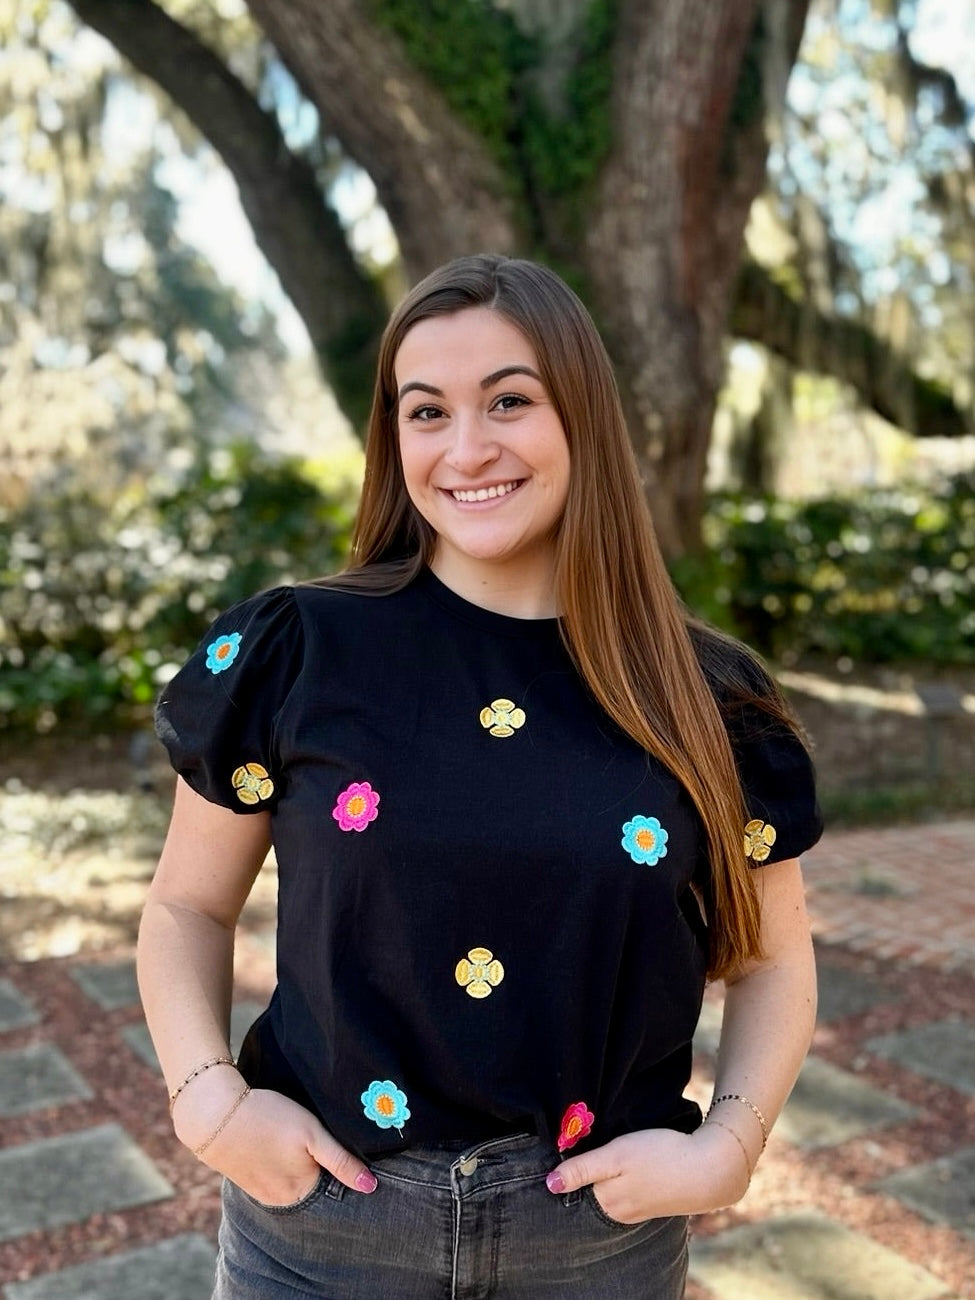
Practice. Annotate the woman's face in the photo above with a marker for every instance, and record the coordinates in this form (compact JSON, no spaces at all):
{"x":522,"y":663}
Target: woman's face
{"x":484,"y":454}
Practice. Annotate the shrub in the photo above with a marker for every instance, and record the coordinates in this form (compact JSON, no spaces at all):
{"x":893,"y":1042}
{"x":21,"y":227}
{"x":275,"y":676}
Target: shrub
{"x":103,"y":593}
{"x":884,"y":576}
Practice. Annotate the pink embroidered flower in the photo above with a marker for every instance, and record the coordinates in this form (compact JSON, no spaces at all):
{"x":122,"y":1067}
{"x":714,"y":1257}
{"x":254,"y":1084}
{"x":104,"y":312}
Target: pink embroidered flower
{"x":576,"y":1123}
{"x":357,"y":806}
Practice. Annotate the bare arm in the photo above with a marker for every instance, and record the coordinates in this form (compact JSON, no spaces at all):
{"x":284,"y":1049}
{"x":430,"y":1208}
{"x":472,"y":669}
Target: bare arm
{"x":186,"y":939}
{"x":770,"y":1012}
{"x":271,"y":1147}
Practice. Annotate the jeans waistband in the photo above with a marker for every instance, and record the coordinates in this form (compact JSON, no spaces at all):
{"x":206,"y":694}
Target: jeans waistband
{"x":509,"y":1159}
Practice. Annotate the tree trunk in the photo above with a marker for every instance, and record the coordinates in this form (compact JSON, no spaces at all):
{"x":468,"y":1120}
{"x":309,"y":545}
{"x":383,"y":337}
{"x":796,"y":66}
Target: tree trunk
{"x":695,"y":84}
{"x":691,"y":90}
{"x":443,"y":192}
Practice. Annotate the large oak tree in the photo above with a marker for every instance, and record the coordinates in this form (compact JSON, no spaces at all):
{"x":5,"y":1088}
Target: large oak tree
{"x":622,"y":141}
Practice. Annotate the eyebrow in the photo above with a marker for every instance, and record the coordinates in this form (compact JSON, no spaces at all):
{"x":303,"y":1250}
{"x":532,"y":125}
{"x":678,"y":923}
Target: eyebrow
{"x":487,"y":382}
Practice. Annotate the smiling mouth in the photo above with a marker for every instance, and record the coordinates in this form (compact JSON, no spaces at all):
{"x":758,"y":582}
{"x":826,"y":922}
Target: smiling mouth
{"x":485,"y":494}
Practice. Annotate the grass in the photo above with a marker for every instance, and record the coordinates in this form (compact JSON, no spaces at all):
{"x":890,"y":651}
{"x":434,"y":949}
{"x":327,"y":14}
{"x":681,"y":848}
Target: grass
{"x":901,"y":802}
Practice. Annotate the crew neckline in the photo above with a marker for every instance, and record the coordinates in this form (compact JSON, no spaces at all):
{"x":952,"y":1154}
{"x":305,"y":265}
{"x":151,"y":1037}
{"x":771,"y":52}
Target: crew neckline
{"x":487,"y":619}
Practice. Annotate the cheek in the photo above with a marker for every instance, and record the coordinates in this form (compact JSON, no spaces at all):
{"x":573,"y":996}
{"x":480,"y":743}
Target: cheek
{"x":416,"y":463}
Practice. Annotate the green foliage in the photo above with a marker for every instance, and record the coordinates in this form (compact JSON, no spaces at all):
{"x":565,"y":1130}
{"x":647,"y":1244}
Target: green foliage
{"x":100,"y":596}
{"x":473,"y":54}
{"x":876,"y":804}
{"x":486,"y":68}
{"x":748,"y":105}
{"x":884,"y":576}
{"x":563,"y":154}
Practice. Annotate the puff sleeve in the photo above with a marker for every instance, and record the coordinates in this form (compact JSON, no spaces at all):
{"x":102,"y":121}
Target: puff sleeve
{"x":778,"y":782}
{"x":217,"y":717}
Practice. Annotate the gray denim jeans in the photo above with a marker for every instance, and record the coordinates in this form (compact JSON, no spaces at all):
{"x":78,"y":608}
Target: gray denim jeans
{"x":447,"y":1224}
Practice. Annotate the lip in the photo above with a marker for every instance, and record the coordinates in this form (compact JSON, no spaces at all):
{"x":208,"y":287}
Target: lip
{"x":511,"y":486}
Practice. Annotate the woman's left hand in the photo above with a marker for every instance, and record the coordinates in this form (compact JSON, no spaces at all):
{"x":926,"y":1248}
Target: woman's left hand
{"x":658,"y":1172}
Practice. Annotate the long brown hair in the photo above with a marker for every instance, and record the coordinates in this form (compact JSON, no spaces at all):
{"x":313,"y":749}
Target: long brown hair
{"x":621,"y":619}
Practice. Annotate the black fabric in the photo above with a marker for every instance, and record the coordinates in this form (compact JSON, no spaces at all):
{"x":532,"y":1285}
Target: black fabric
{"x":505,"y":842}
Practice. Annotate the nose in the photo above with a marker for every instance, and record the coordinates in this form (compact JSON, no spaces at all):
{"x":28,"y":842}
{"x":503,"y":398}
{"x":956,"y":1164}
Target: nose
{"x":473,"y":445}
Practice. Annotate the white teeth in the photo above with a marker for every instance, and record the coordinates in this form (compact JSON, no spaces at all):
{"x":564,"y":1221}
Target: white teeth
{"x":485,"y":494}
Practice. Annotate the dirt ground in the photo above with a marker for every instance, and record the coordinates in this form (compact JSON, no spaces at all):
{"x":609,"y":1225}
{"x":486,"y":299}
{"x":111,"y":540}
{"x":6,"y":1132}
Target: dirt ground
{"x":82,"y":817}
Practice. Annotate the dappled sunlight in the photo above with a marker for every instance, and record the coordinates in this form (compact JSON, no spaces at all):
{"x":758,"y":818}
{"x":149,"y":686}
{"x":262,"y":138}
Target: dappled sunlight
{"x":836,"y":691}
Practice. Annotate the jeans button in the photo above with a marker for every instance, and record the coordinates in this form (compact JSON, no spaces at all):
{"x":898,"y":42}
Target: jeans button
{"x":467,"y":1167}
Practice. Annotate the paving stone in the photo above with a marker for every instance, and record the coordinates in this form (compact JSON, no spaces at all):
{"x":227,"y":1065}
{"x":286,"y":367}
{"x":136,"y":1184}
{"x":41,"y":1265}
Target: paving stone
{"x":242,"y":1016}
{"x":708,"y":1030}
{"x":804,"y":1255}
{"x":181,"y":1268}
{"x":112,"y":986}
{"x":942,"y":1191}
{"x":53,"y":1181}
{"x":137,"y":1037}
{"x":829,"y":1105}
{"x":845,"y":993}
{"x":16,"y":1011}
{"x":38,"y":1076}
{"x":944,"y":1050}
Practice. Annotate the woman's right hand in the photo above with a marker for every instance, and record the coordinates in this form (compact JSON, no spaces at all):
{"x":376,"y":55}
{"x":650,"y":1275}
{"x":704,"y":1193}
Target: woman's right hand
{"x":272,"y":1148}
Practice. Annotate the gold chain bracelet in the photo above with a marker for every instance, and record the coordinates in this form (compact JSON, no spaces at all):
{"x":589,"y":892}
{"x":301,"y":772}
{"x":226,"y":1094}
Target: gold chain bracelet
{"x":736,"y":1096}
{"x":198,"y":1151}
{"x":206,"y":1065}
{"x":728,"y":1129}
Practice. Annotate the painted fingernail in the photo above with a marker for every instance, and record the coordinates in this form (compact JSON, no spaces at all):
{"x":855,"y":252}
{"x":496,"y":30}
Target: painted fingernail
{"x":367,"y":1182}
{"x":555,"y":1182}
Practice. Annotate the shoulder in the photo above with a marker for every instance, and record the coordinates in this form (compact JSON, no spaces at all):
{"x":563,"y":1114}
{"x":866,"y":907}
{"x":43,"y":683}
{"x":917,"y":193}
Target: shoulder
{"x":736,"y":675}
{"x":369,"y":600}
{"x":771,"y":753}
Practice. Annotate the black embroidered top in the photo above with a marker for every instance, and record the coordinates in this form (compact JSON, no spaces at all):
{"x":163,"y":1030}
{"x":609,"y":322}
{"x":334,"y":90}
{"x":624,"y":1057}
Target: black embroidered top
{"x":486,"y":922}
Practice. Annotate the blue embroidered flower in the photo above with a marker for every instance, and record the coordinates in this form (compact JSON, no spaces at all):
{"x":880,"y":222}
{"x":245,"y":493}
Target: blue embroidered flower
{"x":222,"y":652}
{"x":645,"y":840}
{"x":385,"y":1104}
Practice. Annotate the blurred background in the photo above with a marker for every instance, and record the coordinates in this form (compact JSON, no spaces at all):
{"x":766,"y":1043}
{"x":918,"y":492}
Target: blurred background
{"x":208,"y":208}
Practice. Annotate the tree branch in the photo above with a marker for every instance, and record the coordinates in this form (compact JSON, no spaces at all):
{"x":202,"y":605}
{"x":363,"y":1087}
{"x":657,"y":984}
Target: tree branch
{"x":846,"y":350}
{"x":444,"y":193}
{"x":297,"y":231}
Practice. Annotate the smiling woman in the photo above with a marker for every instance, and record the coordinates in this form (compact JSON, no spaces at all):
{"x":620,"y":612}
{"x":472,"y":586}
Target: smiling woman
{"x":485,"y":458}
{"x":512,"y":792}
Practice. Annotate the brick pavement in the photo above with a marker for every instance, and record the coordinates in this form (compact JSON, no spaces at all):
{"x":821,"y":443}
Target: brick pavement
{"x":866,"y":1193}
{"x":904,"y":893}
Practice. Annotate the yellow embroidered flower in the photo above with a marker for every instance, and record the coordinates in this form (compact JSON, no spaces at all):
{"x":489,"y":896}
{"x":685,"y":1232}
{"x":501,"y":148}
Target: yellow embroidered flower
{"x":252,"y":783}
{"x":759,"y":838}
{"x":479,"y":972}
{"x":501,"y":718}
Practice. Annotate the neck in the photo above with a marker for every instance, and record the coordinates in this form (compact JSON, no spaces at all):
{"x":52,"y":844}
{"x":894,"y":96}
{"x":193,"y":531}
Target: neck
{"x":519,"y":591}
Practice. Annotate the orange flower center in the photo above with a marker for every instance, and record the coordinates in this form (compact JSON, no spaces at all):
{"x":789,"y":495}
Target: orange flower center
{"x":645,"y":839}
{"x":223,"y":650}
{"x":356,"y":806}
{"x":574,"y":1127}
{"x":385,"y":1105}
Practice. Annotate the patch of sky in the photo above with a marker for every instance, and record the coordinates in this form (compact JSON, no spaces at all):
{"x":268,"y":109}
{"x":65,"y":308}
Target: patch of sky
{"x":297,"y":116}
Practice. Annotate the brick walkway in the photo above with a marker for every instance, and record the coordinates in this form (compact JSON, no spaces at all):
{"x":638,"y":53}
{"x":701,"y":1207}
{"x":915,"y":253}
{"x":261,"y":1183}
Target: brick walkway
{"x":905,"y":893}
{"x":867,"y":1191}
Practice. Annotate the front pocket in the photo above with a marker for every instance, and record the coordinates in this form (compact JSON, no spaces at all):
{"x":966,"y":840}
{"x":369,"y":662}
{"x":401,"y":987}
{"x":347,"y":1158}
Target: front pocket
{"x":589,"y":1196}
{"x":321,"y":1185}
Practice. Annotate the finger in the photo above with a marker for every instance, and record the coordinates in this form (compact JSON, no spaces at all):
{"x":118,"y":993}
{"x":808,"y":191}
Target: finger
{"x":342,"y":1164}
{"x":580,"y":1171}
